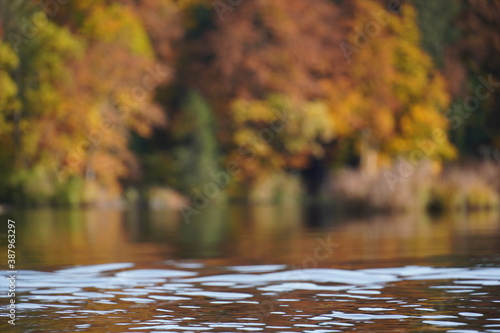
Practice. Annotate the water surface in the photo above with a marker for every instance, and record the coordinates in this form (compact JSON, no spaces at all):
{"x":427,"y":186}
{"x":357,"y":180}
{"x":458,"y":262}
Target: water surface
{"x":263,"y":268}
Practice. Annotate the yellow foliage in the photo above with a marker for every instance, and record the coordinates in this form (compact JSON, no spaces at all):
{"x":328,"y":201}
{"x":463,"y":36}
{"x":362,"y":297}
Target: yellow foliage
{"x":275,"y":133}
{"x":117,"y":24}
{"x":8,"y":91}
{"x":394,"y":95}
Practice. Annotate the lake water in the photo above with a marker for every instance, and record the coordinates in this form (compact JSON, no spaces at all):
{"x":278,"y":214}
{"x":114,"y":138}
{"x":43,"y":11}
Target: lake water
{"x":260,"y":268}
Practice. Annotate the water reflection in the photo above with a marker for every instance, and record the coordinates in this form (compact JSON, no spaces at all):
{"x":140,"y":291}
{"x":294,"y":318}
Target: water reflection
{"x":250,"y":235}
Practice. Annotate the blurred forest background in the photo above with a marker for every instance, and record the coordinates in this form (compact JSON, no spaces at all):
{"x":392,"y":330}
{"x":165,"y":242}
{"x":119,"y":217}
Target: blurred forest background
{"x":364,"y":104}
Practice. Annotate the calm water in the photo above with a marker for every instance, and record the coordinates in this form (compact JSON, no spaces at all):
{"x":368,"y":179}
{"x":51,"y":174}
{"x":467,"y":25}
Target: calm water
{"x":263,"y":268}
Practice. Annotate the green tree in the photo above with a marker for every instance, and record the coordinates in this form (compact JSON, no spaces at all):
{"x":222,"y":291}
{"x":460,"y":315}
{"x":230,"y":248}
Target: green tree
{"x":196,"y":156}
{"x":475,"y":116}
{"x":437,"y":21}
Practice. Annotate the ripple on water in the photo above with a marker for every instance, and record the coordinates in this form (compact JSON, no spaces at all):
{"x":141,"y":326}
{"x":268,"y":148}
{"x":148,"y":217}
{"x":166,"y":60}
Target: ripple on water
{"x":437,"y":317}
{"x":168,"y":298}
{"x":256,"y":268}
{"x":186,"y":265}
{"x":172,"y":327}
{"x":218,"y":295}
{"x":95,"y":269}
{"x":301,"y":286}
{"x":320,"y":275}
{"x":365,"y":316}
{"x":365,"y":297}
{"x":364,"y":291}
{"x":175,"y":286}
{"x":492,"y":282}
{"x":56,"y":291}
{"x":90,"y":295}
{"x":443,"y":323}
{"x":52,"y":298}
{"x":154,"y":273}
{"x":413,"y":271}
{"x":136,"y":300}
{"x":470,"y":314}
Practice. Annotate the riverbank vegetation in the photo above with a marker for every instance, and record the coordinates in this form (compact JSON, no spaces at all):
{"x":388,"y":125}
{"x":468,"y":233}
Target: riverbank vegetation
{"x":367,"y":105}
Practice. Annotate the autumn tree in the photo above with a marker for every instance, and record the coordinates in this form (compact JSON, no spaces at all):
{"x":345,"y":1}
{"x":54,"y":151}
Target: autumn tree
{"x":475,"y":113}
{"x":394,"y":100}
{"x":37,"y":76}
{"x":85,"y":79}
{"x":262,"y":68}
